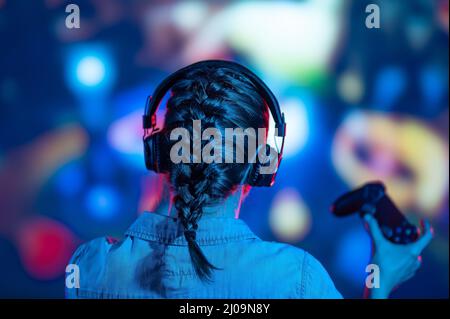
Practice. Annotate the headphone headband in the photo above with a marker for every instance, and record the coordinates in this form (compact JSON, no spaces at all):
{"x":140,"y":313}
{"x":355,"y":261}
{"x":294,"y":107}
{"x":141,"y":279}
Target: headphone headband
{"x":152,"y":104}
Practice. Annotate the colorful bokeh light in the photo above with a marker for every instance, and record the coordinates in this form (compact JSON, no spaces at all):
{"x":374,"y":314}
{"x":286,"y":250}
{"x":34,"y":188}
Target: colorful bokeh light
{"x":290,"y":218}
{"x":405,"y":153}
{"x":102,"y":202}
{"x":45,"y":247}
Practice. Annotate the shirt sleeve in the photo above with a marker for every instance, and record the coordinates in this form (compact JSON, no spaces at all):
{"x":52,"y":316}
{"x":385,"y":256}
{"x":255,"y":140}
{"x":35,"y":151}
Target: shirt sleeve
{"x":72,"y":280}
{"x":316,"y":281}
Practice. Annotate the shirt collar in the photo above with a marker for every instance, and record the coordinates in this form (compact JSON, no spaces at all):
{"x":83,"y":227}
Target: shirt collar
{"x":168,"y":230}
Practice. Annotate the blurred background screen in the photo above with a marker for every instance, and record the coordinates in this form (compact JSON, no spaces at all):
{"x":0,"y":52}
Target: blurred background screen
{"x":361,"y":104}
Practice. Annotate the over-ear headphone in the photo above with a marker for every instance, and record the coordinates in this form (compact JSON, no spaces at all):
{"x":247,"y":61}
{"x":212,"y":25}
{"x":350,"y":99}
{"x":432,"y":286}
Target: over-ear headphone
{"x":155,"y":144}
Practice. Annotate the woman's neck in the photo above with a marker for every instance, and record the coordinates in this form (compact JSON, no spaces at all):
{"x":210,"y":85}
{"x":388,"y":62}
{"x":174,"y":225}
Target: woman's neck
{"x":228,"y":208}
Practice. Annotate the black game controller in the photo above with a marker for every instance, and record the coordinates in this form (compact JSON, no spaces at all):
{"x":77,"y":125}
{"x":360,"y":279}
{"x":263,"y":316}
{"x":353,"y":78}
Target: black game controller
{"x":372,"y":199}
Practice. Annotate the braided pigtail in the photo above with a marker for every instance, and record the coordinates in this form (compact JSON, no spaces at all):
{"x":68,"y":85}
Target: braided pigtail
{"x":219,"y":98}
{"x":191,"y":197}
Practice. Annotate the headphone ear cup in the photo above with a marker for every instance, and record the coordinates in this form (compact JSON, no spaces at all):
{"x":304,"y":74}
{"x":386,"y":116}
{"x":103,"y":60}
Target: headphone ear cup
{"x":153,"y":148}
{"x":149,"y":153}
{"x":260,"y":179}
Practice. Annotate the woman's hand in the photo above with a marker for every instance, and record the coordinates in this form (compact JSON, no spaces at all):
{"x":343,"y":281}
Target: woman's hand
{"x":397,"y":263}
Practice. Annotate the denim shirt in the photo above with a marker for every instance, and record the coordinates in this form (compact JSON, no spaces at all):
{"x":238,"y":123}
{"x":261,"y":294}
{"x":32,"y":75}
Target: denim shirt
{"x":153,"y":261}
